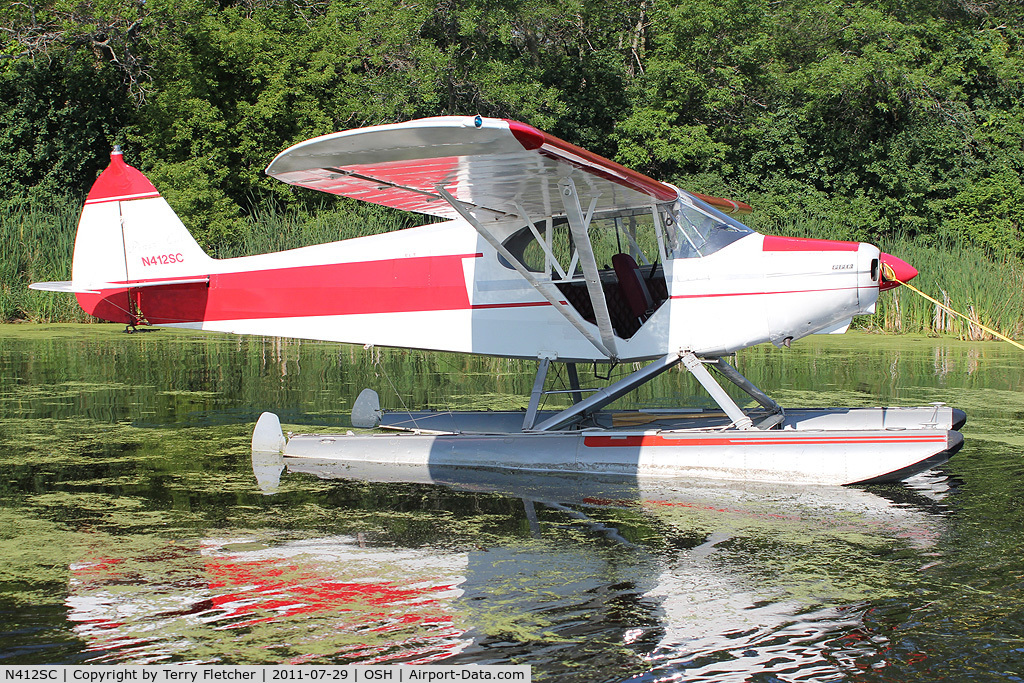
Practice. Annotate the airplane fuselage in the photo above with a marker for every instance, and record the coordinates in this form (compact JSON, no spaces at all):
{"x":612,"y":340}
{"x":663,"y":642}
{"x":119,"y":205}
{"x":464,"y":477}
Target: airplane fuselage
{"x":442,"y":286}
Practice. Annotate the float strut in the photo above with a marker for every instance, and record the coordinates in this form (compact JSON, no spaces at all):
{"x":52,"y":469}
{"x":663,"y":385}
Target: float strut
{"x":696,"y":367}
{"x":538,"y":391}
{"x":734,"y":376}
{"x":574,"y":382}
{"x":592,"y":404}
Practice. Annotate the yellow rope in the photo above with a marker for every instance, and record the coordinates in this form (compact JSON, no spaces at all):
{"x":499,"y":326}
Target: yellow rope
{"x":890,"y":275}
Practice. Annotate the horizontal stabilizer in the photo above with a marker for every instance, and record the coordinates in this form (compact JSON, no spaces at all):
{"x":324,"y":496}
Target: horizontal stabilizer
{"x":64,"y":286}
{"x":96,"y":288}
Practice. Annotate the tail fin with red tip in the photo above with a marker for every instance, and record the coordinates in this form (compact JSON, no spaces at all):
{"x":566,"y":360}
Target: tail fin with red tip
{"x":128,"y":238}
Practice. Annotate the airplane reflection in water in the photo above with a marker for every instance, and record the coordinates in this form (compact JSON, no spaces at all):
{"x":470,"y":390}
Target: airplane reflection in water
{"x":341,"y":597}
{"x":653,"y":576}
{"x":746,"y":577}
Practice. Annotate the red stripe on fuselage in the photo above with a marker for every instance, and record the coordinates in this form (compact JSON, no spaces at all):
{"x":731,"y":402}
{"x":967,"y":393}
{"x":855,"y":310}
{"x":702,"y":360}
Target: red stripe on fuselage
{"x":432,"y":283}
{"x":772,"y":243}
{"x":429,"y":283}
{"x":517,"y":304}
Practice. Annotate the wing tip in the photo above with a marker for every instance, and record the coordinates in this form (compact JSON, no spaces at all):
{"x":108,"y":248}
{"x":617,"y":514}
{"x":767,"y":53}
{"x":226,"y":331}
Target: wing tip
{"x":528,"y":136}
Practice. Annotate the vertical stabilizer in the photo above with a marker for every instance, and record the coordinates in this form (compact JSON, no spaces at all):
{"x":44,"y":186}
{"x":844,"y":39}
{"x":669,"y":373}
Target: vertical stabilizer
{"x":129,"y":233}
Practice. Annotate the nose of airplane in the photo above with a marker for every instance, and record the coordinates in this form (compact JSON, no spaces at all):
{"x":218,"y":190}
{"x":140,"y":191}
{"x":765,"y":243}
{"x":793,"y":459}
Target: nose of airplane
{"x":894,"y":269}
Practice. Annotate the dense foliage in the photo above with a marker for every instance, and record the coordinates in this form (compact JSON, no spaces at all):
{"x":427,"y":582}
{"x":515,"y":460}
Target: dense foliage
{"x":880,"y":118}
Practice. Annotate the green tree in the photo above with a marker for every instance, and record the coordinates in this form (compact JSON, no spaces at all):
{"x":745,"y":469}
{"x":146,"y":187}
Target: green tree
{"x":879,"y":118}
{"x":70,"y":73}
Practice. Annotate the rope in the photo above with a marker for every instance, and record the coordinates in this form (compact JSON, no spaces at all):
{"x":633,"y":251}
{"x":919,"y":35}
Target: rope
{"x":890,"y":275}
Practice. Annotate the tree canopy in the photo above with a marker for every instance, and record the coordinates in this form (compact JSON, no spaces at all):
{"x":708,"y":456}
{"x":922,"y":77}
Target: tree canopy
{"x":880,"y":117}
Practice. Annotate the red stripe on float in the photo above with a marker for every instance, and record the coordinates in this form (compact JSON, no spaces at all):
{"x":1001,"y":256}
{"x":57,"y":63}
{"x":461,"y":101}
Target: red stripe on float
{"x":655,"y":440}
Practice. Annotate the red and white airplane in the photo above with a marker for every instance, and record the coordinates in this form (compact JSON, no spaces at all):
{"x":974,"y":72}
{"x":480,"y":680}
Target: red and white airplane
{"x":546,"y":252}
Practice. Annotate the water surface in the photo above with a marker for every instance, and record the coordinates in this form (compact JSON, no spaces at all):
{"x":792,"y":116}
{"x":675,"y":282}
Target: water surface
{"x":135,"y":526}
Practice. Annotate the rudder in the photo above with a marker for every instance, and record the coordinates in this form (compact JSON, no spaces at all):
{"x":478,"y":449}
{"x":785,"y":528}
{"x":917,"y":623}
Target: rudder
{"x":128,"y":234}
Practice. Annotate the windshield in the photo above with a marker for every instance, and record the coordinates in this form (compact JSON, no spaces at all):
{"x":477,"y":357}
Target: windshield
{"x":699,"y":230}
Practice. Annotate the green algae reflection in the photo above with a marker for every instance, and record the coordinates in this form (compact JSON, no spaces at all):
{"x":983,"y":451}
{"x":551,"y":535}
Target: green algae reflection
{"x":133,"y":529}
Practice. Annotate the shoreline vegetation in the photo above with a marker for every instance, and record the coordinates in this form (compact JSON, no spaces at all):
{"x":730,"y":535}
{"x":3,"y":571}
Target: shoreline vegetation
{"x":894,"y":123}
{"x":37,"y":242}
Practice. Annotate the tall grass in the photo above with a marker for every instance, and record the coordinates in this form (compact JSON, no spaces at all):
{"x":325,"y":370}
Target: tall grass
{"x":987,"y":290}
{"x":36,"y":244}
{"x":273,"y":228}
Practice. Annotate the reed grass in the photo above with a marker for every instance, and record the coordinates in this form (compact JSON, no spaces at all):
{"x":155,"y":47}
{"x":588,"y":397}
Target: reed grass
{"x":272,"y":228}
{"x":986,"y":289}
{"x":36,"y":244}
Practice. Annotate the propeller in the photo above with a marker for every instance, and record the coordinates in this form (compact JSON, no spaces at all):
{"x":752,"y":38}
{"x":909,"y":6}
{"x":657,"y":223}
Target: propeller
{"x":894,"y":271}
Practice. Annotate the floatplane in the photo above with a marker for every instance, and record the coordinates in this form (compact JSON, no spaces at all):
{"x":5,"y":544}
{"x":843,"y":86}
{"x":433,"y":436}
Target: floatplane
{"x":544,"y":251}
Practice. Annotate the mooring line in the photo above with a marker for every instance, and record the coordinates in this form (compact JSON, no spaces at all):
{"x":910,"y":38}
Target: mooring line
{"x":890,"y":275}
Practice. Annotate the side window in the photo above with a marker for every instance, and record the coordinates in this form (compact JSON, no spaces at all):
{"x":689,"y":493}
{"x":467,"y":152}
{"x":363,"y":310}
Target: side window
{"x":631,"y":231}
{"x":523,"y":244}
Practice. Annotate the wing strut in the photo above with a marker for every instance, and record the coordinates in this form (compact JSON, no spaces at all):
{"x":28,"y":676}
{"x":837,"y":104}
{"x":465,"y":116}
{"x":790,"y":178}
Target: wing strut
{"x":545,"y":291}
{"x":579,"y":226}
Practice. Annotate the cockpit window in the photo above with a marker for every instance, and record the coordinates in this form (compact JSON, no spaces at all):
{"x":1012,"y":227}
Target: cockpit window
{"x":688,"y":228}
{"x":629,"y":247}
{"x":699,"y":231}
{"x":548,"y":247}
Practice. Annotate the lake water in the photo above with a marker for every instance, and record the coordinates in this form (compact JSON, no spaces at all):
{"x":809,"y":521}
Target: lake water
{"x":135,"y":526}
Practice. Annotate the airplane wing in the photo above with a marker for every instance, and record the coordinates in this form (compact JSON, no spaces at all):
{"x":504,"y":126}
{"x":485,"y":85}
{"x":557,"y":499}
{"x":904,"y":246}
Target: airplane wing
{"x":492,"y":167}
{"x":481,"y":170}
